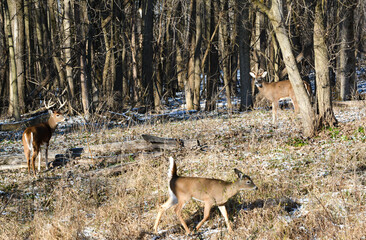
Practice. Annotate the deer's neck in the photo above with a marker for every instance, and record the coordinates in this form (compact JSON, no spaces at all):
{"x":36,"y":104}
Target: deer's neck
{"x":232,"y":189}
{"x":52,"y":123}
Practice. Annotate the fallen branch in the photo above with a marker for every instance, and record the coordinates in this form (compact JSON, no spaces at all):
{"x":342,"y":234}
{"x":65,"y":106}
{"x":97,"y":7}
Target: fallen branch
{"x":15,"y":126}
{"x":150,"y":144}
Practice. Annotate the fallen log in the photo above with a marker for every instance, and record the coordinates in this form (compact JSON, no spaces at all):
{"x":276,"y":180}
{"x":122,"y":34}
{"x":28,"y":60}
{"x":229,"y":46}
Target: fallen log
{"x":148,"y":144}
{"x":352,"y":103}
{"x":15,"y":126}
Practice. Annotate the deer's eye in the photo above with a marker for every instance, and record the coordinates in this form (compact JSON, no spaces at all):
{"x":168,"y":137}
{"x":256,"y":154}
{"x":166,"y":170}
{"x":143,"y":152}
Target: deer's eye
{"x":248,"y":182}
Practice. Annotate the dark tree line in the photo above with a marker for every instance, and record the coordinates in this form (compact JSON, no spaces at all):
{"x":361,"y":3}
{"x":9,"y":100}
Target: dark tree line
{"x":119,"y":54}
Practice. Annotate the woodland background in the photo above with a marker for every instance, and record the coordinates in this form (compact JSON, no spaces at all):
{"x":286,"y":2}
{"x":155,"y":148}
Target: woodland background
{"x":145,"y":56}
{"x":119,"y":54}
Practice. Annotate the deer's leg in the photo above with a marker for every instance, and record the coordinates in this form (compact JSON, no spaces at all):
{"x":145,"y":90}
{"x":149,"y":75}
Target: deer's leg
{"x":224,"y":214}
{"x":39,"y":160}
{"x":274,"y":111}
{"x":27,"y":154}
{"x":178,"y":211}
{"x":206,"y":214}
{"x":47,"y":155}
{"x":35,"y":153}
{"x":171,"y":202}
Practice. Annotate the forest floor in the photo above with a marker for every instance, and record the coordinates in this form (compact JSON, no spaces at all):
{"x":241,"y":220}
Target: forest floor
{"x":308,"y":188}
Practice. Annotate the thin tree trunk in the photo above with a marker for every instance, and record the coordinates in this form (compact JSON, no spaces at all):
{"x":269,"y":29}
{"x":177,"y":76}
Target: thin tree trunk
{"x":189,"y":83}
{"x":212,"y":55}
{"x":346,"y":71}
{"x":68,"y":60}
{"x":147,"y":53}
{"x":29,"y":66}
{"x":136,"y":88}
{"x":20,"y":55}
{"x":223,"y":35}
{"x":54,"y":42}
{"x":244,"y":56}
{"x":85,"y":83}
{"x":11,"y":30}
{"x":326,"y":115}
{"x":197,"y":55}
{"x":106,"y":69}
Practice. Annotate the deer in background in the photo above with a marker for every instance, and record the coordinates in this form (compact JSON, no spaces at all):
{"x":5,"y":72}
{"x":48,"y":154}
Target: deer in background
{"x":275,"y":91}
{"x":34,"y":136}
{"x":210,"y":191}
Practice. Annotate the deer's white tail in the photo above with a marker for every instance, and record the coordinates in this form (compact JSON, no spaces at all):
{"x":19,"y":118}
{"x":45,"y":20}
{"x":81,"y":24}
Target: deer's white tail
{"x":30,"y":143}
{"x":172,"y":168}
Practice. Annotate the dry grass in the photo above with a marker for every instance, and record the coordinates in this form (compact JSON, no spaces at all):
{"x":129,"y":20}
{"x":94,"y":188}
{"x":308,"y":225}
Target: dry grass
{"x":308,"y":188}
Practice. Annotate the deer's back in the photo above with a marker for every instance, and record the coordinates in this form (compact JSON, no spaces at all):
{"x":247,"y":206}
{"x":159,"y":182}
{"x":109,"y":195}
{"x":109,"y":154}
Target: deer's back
{"x":281,"y":89}
{"x":41,"y":133}
{"x":199,"y":188}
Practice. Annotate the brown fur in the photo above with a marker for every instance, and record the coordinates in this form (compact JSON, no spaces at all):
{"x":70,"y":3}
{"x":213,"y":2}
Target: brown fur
{"x":42,"y":134}
{"x":210,"y":191}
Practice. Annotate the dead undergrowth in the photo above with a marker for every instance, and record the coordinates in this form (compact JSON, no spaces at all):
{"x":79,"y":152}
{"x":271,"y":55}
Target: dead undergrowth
{"x":308,"y":188}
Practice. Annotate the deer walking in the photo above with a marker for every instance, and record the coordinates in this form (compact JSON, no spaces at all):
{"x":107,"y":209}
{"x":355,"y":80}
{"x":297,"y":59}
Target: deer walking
{"x":34,"y":136}
{"x":211,"y":191}
{"x":275,"y":91}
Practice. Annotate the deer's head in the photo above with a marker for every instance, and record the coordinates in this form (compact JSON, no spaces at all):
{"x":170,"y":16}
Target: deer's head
{"x":258,"y":77}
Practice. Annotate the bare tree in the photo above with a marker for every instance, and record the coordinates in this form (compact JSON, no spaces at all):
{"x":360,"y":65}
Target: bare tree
{"x":346,"y":58}
{"x":275,"y":14}
{"x":147,"y":51}
{"x":244,"y":30}
{"x":324,"y":96}
{"x":224,"y":51}
{"x":19,"y":54}
{"x":12,"y":31}
{"x":68,"y":60}
{"x":197,"y":56}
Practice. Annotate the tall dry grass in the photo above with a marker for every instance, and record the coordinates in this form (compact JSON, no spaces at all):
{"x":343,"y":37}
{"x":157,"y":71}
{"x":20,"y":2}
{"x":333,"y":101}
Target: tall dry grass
{"x":308,"y":188}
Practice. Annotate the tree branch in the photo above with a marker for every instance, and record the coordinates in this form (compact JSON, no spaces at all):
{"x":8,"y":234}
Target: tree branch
{"x":261,"y":6}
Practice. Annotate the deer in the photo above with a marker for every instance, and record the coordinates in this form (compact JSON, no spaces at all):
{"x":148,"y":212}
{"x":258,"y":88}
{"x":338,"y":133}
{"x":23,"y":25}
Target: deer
{"x":210,"y":191}
{"x":34,"y":136}
{"x":275,"y":91}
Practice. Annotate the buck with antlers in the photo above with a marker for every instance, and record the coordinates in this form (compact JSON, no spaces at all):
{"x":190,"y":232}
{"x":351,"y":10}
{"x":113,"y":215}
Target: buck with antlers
{"x":34,"y":136}
{"x":211,"y":191}
{"x":275,"y":91}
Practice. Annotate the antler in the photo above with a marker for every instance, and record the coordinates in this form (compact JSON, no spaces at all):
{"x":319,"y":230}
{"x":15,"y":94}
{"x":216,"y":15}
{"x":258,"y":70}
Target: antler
{"x":61,"y":104}
{"x":48,"y":104}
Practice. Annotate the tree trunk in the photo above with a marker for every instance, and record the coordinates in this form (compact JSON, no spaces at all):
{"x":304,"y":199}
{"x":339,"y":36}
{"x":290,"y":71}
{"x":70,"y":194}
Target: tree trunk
{"x":85,"y":82}
{"x":147,"y":52}
{"x":20,"y":53}
{"x":212,"y":61}
{"x":324,"y":96}
{"x":12,"y":31}
{"x":68,"y":60}
{"x":346,"y":58}
{"x":54,"y":42}
{"x":189,"y":83}
{"x":136,"y":87}
{"x":29,"y":66}
{"x":275,"y":14}
{"x":244,"y":56}
{"x":223,"y":35}
{"x":108,"y":62}
{"x":197,"y":56}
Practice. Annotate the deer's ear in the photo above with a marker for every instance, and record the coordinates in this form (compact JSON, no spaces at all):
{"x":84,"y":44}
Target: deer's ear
{"x":264,"y":74}
{"x":238,"y":172}
{"x":50,"y":111}
{"x":252,"y":74}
